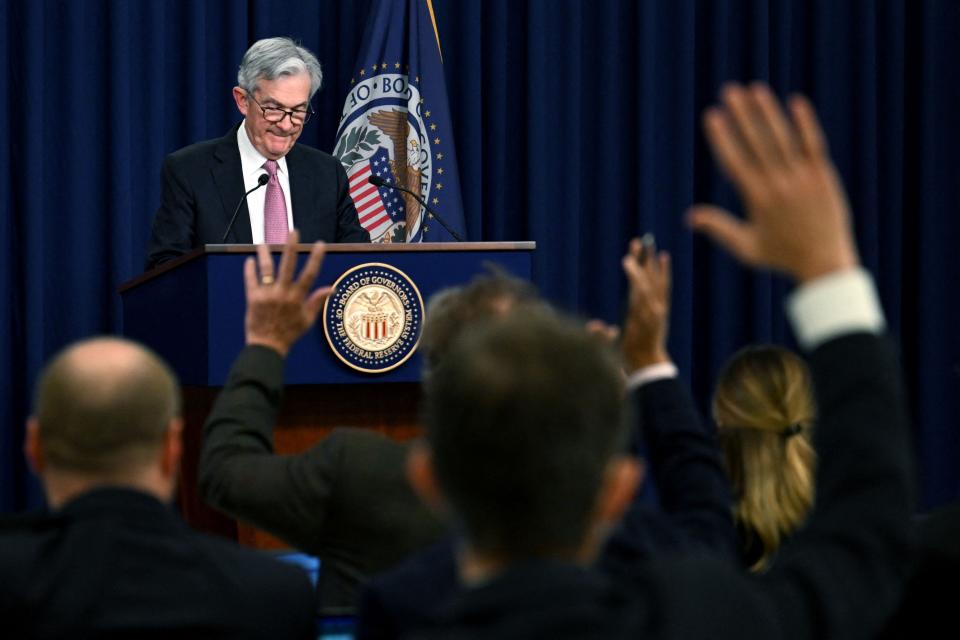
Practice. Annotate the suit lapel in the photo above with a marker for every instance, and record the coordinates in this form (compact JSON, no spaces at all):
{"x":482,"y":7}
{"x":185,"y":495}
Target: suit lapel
{"x":301,"y":189}
{"x":228,"y":176}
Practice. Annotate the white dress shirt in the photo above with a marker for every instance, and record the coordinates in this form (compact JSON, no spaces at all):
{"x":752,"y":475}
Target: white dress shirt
{"x":835,"y":304}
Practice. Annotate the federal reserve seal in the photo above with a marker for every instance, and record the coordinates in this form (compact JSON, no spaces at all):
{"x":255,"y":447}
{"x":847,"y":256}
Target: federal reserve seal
{"x":373,"y":318}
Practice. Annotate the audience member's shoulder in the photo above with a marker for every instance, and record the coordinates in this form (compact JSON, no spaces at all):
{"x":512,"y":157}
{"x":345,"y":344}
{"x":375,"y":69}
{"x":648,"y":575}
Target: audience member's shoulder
{"x":23,"y":539}
{"x":681,"y":583}
{"x":232,"y":559}
{"x":928,"y":601}
{"x":22,"y":532}
{"x":434,"y":567}
{"x":21,"y":536}
{"x":274,"y":595}
{"x":940,"y":530}
{"x":26,"y":522}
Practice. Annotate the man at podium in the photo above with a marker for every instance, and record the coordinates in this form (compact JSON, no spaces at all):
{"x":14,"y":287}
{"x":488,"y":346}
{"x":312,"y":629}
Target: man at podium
{"x":256,"y":183}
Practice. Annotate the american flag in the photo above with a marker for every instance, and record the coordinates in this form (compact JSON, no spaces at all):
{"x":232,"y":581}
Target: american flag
{"x":378,"y":208}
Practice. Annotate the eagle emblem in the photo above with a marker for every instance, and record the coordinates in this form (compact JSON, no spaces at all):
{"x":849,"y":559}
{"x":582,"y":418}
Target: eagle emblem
{"x":385,"y":132}
{"x":372,"y":320}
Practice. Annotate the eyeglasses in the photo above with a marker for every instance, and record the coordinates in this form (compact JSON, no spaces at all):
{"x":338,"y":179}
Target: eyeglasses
{"x":276,"y":114}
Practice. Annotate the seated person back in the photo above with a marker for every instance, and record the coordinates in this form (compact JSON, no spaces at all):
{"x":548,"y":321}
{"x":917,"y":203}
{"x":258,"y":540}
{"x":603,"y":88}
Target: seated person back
{"x":111,"y":559}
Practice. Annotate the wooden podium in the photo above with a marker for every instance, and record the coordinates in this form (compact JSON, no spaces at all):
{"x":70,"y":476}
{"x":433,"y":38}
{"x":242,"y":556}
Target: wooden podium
{"x":191,"y":310}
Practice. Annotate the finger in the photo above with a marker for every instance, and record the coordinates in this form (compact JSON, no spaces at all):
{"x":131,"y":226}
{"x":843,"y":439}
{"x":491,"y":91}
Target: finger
{"x":666,"y":275}
{"x":599,"y":328}
{"x":723,"y":228}
{"x":657,"y":273}
{"x":288,"y":259}
{"x":749,"y":125}
{"x":631,"y":267}
{"x":315,"y":302}
{"x":783,"y":137}
{"x":634,"y":248}
{"x":596,"y":325}
{"x":265,"y":262}
{"x":310,"y":271}
{"x":636,"y":277}
{"x":812,"y":140}
{"x":652,"y":265}
{"x":726,"y":146}
{"x":603,"y":331}
{"x":250,"y":282}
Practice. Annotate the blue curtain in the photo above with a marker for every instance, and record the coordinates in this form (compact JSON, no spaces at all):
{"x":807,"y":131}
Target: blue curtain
{"x":577,"y":126}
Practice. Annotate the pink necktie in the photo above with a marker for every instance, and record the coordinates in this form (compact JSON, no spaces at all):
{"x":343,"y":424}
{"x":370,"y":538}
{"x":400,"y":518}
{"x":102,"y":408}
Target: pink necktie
{"x":274,"y":208}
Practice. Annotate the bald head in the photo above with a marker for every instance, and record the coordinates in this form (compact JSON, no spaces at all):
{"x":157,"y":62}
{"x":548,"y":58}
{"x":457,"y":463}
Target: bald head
{"x":103,"y":406}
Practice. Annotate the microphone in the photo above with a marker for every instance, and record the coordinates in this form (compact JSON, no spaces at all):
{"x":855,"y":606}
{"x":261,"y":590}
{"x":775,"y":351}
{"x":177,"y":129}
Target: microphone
{"x":262,"y":180}
{"x":377,"y":181}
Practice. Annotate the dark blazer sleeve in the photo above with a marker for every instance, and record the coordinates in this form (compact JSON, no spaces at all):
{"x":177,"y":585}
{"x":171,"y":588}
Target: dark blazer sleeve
{"x":349,"y":228}
{"x":174,"y":222}
{"x":683,"y":457}
{"x":287,"y":496}
{"x":843,"y":574}
{"x":929,"y":600}
{"x":685,"y":460}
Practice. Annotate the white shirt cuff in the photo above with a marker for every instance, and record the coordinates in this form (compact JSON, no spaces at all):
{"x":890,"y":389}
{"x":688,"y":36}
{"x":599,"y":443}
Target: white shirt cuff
{"x":651,"y":373}
{"x":834,"y":305}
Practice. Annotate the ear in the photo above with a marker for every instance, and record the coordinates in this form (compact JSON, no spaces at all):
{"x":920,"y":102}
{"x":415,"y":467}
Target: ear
{"x":32,"y":447}
{"x":172,"y":448}
{"x":240,"y":97}
{"x":620,"y":483}
{"x":421,"y":477}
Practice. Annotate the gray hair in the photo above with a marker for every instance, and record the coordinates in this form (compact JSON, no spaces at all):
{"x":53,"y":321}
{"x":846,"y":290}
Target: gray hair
{"x":272,"y":58}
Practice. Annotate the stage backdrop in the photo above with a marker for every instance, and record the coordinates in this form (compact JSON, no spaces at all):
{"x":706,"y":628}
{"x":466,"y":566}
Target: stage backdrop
{"x":576,"y":125}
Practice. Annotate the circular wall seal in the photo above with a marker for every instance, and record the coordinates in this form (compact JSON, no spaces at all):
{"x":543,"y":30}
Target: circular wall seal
{"x":373,"y":318}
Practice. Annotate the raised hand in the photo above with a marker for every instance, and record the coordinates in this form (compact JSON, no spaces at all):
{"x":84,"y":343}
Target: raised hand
{"x":281,"y":308}
{"x":797,"y":216}
{"x":648,"y":310}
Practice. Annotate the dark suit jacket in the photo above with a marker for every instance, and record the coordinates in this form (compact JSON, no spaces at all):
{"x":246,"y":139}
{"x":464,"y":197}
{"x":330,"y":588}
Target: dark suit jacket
{"x":118,"y":563}
{"x":694,"y":516}
{"x":837,"y":578}
{"x":929,"y":604}
{"x":202,"y":184}
{"x":345,"y":500}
